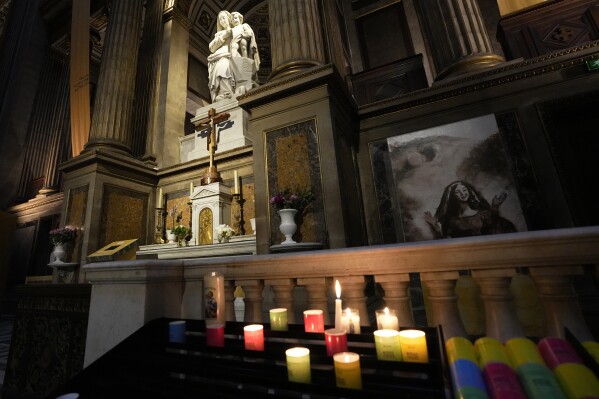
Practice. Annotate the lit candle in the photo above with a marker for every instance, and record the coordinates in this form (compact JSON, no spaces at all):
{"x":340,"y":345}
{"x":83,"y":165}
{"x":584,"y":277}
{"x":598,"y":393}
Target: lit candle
{"x":190,"y":188}
{"x":159,"y":198}
{"x":278,"y":319}
{"x":298,"y":365}
{"x":338,"y":305}
{"x":313,"y":321}
{"x":347,"y":370}
{"x":176,"y":331}
{"x":386,"y":320}
{"x":214,"y":299}
{"x":335,"y":340}
{"x":387,"y":345}
{"x":350,"y":321}
{"x":236,"y":178}
{"x":413,"y":346}
{"x":215,"y":335}
{"x":253,"y":336}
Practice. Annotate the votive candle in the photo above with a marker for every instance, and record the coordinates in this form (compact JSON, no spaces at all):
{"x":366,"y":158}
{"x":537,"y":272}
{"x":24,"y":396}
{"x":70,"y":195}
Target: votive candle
{"x":338,"y":305}
{"x":350,"y":321}
{"x":214,"y":299}
{"x":278,"y":319}
{"x":253,"y":336}
{"x":176,"y":331}
{"x":335,"y":340}
{"x":313,"y":321}
{"x":387,"y":320}
{"x":215,"y":335}
{"x":298,"y":365}
{"x":413,"y":346}
{"x":387,"y":345}
{"x":236,"y":183}
{"x":347,"y":370}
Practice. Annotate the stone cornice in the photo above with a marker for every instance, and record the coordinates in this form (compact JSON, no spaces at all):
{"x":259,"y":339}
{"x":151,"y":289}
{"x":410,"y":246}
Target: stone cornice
{"x":476,"y":82}
{"x":173,"y":12}
{"x":37,"y":203}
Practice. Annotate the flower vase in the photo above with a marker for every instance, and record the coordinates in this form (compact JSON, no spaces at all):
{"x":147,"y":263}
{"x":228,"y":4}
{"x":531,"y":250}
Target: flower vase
{"x":171,"y":237}
{"x":288,"y":226}
{"x":179,"y":241}
{"x":59,"y":253}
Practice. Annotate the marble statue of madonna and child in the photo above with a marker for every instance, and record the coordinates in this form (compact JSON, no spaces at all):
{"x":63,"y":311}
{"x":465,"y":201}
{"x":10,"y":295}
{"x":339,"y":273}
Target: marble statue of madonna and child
{"x":234,"y":59}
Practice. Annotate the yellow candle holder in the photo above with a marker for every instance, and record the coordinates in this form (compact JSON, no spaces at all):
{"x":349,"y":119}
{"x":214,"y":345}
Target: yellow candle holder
{"x":298,"y":365}
{"x":347,"y":370}
{"x":387,"y":345}
{"x":278,"y":319}
{"x":413,"y":346}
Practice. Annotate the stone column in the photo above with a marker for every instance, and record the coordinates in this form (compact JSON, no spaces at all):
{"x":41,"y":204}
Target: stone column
{"x":500,"y":314}
{"x":229,"y":300}
{"x":352,"y":294}
{"x":317,"y":290}
{"x":283,"y":293}
{"x":444,"y":305}
{"x":253,"y":299}
{"x":110,"y":125}
{"x":296,"y":37}
{"x":560,"y":301}
{"x":457,"y":38}
{"x":396,"y":296}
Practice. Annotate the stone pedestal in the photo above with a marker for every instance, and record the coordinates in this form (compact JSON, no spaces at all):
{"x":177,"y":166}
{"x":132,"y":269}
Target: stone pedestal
{"x":64,"y":273}
{"x":230,"y":134}
{"x":214,"y":199}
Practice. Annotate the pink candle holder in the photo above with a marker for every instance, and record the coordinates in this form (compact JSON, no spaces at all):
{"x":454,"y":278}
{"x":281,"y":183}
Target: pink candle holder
{"x":313,"y":321}
{"x":215,"y":335}
{"x":336,"y":341}
{"x":253,"y":336}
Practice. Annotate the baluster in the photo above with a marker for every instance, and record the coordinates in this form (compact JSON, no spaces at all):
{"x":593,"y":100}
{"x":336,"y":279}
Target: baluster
{"x":560,"y":301}
{"x":253,"y":299}
{"x":397,"y":297}
{"x":443,"y":301}
{"x":317,"y":289}
{"x":352,"y":294}
{"x":229,"y":298}
{"x":283,"y":295}
{"x":500,"y":313}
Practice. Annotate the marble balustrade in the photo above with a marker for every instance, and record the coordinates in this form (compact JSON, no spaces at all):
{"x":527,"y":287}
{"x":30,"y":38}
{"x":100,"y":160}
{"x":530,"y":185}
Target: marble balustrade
{"x":125,"y":295}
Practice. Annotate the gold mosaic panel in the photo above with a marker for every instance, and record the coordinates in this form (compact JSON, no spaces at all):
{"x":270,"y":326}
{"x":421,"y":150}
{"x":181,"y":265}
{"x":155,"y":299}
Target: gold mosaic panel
{"x":249,"y":210}
{"x":77,"y":205}
{"x":293,"y":163}
{"x":123,"y":216}
{"x":178,"y":210}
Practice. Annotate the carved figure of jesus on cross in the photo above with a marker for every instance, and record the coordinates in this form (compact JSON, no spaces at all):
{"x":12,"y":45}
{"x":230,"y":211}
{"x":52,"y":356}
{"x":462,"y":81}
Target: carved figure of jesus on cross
{"x":211,"y":174}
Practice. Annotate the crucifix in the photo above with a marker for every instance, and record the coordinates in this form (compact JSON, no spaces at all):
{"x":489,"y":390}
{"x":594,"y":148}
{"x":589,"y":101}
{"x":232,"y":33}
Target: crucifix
{"x":211,"y":174}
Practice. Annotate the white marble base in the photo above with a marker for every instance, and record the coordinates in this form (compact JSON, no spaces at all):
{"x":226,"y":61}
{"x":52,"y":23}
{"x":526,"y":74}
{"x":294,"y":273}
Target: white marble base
{"x":240,"y":245}
{"x":230,"y":134}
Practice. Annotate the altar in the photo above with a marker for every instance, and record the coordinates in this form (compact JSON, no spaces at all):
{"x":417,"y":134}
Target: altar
{"x":237,"y":246}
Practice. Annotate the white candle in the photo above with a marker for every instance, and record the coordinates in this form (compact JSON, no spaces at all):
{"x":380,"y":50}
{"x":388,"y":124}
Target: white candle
{"x":190,"y":188}
{"x":338,"y":305}
{"x":160,"y":198}
{"x":236,"y":178}
{"x":214,"y":299}
{"x":350,"y":321}
{"x":386,"y":319}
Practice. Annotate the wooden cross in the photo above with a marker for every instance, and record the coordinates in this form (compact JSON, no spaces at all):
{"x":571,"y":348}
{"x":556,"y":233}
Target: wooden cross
{"x":210,"y":124}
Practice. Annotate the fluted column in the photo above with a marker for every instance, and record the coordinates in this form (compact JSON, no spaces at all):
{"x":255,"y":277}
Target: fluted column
{"x":500,"y":313}
{"x":296,"y":37}
{"x":283,"y":295}
{"x":444,"y":304}
{"x":253,"y":299}
{"x":560,"y":301}
{"x":114,"y":98}
{"x":457,"y":37}
{"x":352,"y":294}
{"x":396,"y":296}
{"x":317,"y":289}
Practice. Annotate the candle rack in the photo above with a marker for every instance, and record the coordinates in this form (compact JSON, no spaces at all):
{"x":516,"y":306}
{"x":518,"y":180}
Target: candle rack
{"x":148,"y":365}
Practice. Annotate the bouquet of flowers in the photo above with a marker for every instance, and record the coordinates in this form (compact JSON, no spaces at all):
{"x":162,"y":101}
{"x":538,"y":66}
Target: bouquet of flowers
{"x":180,"y":231}
{"x":224,"y":231}
{"x":64,"y":235}
{"x":287,"y":199}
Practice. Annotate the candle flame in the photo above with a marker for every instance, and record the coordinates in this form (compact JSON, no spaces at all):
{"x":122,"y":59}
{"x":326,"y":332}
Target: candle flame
{"x":386,"y":311}
{"x":348,"y":312}
{"x":338,"y":289}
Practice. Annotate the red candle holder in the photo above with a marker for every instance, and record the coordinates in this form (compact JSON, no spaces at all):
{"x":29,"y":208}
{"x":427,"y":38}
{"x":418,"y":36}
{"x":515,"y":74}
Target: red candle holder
{"x":336,"y":341}
{"x":313,"y":321}
{"x":253,"y":336}
{"x":215,"y":335}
